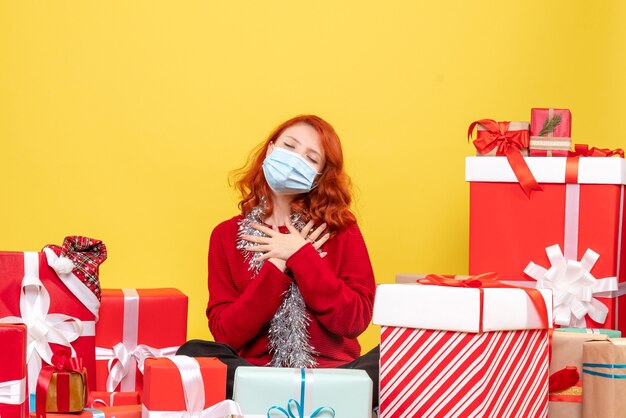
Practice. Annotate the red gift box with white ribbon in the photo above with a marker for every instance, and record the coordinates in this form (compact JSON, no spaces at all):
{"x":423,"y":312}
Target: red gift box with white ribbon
{"x":58,"y":309}
{"x":98,"y":399}
{"x":566,"y":237}
{"x":136,"y":324}
{"x":13,"y":391}
{"x":462,"y":351}
{"x":181,"y":386}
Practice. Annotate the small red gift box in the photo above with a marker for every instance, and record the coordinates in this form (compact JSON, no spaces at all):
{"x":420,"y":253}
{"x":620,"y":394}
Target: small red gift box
{"x":62,"y":387}
{"x":131,"y":325}
{"x":13,"y":391}
{"x":509,"y":139}
{"x":567,"y":237}
{"x":61,"y":306}
{"x":496,"y":138}
{"x":99,"y":399}
{"x":550,"y":132}
{"x":169,"y":381}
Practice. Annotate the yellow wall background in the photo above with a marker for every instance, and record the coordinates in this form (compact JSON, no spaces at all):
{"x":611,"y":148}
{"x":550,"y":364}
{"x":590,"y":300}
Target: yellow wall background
{"x":121,"y":119}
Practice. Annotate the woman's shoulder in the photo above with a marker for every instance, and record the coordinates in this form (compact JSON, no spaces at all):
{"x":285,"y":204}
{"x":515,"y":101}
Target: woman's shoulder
{"x":350,"y":229}
{"x":229,"y":226}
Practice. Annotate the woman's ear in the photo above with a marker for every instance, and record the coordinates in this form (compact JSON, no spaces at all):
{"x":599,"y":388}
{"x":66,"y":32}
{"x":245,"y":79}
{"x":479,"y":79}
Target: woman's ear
{"x":270,"y":148}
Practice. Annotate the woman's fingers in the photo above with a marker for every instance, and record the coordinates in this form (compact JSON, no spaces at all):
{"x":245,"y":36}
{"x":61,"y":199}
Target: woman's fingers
{"x":318,"y":244}
{"x":267,"y":231}
{"x":267,"y":255}
{"x":292,"y":229}
{"x":258,"y":248}
{"x":313,"y":236}
{"x":307,"y":228}
{"x":282,"y":246}
{"x":256,"y":239}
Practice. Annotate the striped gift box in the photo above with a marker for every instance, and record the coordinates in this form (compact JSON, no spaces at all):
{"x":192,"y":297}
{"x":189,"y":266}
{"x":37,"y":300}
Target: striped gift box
{"x":461,"y":352}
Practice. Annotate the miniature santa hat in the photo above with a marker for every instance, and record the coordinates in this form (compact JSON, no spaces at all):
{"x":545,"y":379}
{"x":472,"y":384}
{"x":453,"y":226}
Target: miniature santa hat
{"x":82,"y":256}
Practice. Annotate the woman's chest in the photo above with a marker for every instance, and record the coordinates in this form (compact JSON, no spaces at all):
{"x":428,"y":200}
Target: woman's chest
{"x":245,"y":267}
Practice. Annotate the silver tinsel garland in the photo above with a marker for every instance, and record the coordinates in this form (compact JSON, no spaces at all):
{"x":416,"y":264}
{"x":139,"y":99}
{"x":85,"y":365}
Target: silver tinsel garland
{"x":288,"y":336}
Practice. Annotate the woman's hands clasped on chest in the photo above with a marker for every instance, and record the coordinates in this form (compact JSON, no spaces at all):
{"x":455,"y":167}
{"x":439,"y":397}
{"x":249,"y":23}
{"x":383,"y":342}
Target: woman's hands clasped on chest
{"x":276,"y":245}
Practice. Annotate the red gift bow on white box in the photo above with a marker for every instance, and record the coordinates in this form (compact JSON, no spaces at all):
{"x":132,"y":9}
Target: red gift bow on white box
{"x":485,"y":281}
{"x":193,"y":388}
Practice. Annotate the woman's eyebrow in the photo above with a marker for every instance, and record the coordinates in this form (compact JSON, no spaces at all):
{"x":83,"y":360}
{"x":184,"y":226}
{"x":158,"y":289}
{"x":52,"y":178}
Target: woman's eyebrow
{"x":308,"y":149}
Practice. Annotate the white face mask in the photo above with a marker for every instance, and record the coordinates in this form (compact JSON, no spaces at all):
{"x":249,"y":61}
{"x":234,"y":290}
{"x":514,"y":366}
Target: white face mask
{"x":288,"y":172}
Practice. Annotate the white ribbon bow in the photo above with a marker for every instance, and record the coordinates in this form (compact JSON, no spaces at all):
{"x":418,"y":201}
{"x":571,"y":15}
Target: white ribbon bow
{"x":13,"y":392}
{"x":43,"y":328}
{"x":193,"y":388}
{"x":573,"y":287}
{"x":122,"y":362}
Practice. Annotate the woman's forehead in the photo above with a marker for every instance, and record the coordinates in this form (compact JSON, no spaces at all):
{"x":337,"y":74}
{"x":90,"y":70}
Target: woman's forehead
{"x":304,"y":134}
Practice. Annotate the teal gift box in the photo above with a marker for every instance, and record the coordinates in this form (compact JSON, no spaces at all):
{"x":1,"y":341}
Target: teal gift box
{"x":303,"y":393}
{"x":612,"y":333}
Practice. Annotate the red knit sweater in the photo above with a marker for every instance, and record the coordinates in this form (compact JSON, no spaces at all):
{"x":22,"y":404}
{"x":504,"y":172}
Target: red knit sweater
{"x":338,"y":291}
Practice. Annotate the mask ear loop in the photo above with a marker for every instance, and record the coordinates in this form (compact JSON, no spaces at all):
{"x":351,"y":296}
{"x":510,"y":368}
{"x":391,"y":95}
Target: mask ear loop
{"x":317,"y":181}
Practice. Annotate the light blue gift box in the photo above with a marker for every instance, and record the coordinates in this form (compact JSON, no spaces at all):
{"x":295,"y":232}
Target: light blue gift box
{"x":612,"y":333}
{"x":303,"y":393}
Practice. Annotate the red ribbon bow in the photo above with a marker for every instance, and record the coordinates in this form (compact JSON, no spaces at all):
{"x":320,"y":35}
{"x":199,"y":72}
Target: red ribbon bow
{"x":583,"y":150}
{"x":62,"y":360}
{"x":489,"y":280}
{"x":563,"y":379}
{"x":508,"y":143}
{"x":62,"y":364}
{"x":565,"y":385}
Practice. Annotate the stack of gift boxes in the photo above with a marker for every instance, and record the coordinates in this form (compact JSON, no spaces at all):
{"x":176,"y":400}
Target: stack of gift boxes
{"x":69,"y":349}
{"x":544,"y":217}
{"x":532,"y":331}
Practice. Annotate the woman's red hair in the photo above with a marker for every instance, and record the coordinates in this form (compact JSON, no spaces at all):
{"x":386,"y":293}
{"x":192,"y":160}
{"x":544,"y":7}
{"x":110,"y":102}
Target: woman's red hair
{"x":329,"y":202}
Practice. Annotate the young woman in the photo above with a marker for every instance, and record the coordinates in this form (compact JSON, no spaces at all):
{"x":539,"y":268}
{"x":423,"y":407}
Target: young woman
{"x":290,"y":279}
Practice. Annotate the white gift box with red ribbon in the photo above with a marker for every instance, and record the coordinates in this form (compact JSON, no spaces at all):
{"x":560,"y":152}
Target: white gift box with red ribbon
{"x":452,"y":351}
